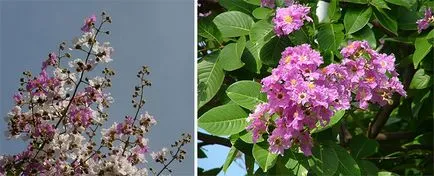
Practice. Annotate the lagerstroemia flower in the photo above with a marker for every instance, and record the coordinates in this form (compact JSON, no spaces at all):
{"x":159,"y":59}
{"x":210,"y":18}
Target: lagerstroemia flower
{"x":424,"y":23}
{"x":302,"y":95}
{"x":290,"y":19}
{"x":88,"y":23}
{"x":268,"y":3}
{"x":59,"y":111}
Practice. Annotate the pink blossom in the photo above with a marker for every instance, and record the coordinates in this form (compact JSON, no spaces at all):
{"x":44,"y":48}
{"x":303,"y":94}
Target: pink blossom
{"x":290,"y":19}
{"x":88,"y":23}
{"x":424,"y":23}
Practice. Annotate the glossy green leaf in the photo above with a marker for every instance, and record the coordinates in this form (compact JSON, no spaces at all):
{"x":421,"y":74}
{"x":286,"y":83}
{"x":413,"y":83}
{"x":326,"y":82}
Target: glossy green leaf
{"x":404,"y":3}
{"x":347,"y":165}
{"x":247,"y":94}
{"x":386,"y":173}
{"x":254,"y":2}
{"x":380,"y":4}
{"x":324,"y":159}
{"x":207,"y":29}
{"x":297,"y":163}
{"x":263,"y":157}
{"x":237,"y":5}
{"x":387,"y":21}
{"x":362,"y":147}
{"x":230,"y":158}
{"x":367,"y":34}
{"x":262,"y":31}
{"x":230,"y":56}
{"x":423,"y":47}
{"x":262,"y":13}
{"x":356,"y":1}
{"x":224,"y":120}
{"x":210,"y":75}
{"x":330,"y":36}
{"x":420,"y":80}
{"x":247,"y":137}
{"x":233,"y":23}
{"x":356,"y":18}
{"x":251,"y":57}
{"x":271,"y":52}
{"x":333,"y":120}
{"x":367,"y":167}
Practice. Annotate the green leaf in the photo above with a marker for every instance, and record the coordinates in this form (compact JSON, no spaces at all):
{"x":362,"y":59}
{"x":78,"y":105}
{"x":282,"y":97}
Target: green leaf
{"x":347,"y":165}
{"x":356,"y":18}
{"x":262,"y":13}
{"x":324,"y":159}
{"x":418,"y":101}
{"x":362,"y":147}
{"x":271,"y":52}
{"x":300,"y":36}
{"x":254,"y":2}
{"x":388,"y":22}
{"x":404,"y":3}
{"x":334,"y":12}
{"x":231,"y":156}
{"x":423,"y":47}
{"x":233,"y":23}
{"x":386,"y":173}
{"x":379,"y":4}
{"x":333,"y":120}
{"x":356,"y":1}
{"x":213,"y":171}
{"x":251,"y":57}
{"x":247,"y":137}
{"x":224,"y":120}
{"x":201,"y":154}
{"x":210,"y":75}
{"x":262,"y":31}
{"x":406,"y":18}
{"x":367,"y":167}
{"x":249,"y":162}
{"x":330,"y":36}
{"x":209,"y":30}
{"x":297,"y":163}
{"x":230,"y":56}
{"x":263,"y":157}
{"x":420,"y":80}
{"x":237,"y":5}
{"x":247,"y":94}
{"x":366,"y":34}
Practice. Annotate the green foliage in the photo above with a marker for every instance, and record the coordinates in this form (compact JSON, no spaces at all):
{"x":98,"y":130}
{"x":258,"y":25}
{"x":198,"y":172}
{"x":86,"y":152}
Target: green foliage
{"x":240,"y":48}
{"x":224,"y":120}
{"x":247,"y":94}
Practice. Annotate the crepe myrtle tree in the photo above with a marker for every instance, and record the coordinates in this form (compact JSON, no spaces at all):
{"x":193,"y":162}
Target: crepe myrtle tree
{"x":59,"y":112}
{"x":337,"y":87}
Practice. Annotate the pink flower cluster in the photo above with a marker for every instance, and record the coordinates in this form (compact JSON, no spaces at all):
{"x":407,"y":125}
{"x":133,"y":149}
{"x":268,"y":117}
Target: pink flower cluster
{"x":290,"y":19}
{"x":302,"y":95}
{"x":424,"y":23}
{"x":272,"y":3}
{"x":59,"y":111}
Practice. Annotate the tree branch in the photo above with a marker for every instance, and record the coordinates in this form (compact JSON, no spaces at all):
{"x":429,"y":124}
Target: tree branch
{"x":211,"y":140}
{"x":383,"y":115}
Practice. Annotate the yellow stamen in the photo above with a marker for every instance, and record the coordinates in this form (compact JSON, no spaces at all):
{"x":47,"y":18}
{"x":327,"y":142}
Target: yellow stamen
{"x":293,"y":81}
{"x":303,"y":58}
{"x":288,"y":19}
{"x":370,"y":79}
{"x":287,"y":59}
{"x":311,"y":85}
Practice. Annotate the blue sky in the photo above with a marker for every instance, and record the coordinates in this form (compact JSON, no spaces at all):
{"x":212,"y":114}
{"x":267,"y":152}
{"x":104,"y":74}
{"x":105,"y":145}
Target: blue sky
{"x":156,"y":33}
